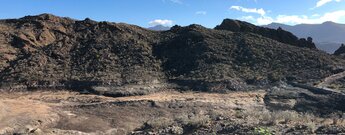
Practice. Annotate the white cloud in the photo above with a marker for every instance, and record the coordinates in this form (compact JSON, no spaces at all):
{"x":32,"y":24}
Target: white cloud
{"x":161,"y":22}
{"x":323,"y":2}
{"x":295,"y":19}
{"x":292,"y":19}
{"x":201,"y":12}
{"x":249,"y":10}
{"x":335,"y":16}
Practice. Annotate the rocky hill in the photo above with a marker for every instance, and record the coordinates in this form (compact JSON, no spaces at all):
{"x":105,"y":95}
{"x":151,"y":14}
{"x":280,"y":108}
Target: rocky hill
{"x":53,"y":51}
{"x":49,"y":51}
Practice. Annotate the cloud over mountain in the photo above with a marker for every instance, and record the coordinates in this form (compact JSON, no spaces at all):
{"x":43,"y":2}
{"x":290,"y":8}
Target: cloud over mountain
{"x":161,"y":22}
{"x":335,"y":16}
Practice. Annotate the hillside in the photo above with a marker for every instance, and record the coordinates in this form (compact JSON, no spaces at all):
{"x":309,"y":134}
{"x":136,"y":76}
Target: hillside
{"x":47,"y":51}
{"x":52,"y":51}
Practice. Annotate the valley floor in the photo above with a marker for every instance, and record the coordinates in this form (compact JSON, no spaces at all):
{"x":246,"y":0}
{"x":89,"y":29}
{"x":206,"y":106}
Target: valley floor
{"x":168,"y":112}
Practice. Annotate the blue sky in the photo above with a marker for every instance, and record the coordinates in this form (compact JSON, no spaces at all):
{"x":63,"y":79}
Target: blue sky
{"x":209,"y":13}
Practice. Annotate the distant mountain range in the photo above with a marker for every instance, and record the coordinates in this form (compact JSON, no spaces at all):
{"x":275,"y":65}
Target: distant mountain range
{"x":328,"y":36}
{"x":159,"y":28}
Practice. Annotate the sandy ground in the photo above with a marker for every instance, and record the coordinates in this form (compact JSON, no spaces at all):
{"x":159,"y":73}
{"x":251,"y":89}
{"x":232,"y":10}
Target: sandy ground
{"x":66,"y":112}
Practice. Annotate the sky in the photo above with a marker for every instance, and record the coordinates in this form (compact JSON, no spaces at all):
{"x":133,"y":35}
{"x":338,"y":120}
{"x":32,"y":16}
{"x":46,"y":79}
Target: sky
{"x":208,"y":13}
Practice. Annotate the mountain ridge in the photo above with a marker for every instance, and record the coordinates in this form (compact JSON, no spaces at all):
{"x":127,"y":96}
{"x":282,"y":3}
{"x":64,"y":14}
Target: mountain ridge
{"x":275,"y":34}
{"x":328,"y":36}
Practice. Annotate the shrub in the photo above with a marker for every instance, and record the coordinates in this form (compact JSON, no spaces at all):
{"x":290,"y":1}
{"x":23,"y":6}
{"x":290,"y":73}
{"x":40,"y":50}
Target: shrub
{"x":195,"y":121}
{"x":159,"y":123}
{"x":262,"y":131}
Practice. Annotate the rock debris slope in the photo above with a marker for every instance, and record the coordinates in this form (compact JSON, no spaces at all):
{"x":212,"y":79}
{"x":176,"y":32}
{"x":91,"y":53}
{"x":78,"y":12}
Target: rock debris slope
{"x":49,"y":51}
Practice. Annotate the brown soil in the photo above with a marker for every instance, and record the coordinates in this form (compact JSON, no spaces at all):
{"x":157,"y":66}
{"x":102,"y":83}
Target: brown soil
{"x":167,"y":112}
{"x":60,"y":112}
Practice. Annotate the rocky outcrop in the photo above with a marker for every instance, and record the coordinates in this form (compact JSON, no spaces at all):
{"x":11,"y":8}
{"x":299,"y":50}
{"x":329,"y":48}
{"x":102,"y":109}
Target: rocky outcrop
{"x":278,"y":34}
{"x":47,"y":51}
{"x":340,"y":51}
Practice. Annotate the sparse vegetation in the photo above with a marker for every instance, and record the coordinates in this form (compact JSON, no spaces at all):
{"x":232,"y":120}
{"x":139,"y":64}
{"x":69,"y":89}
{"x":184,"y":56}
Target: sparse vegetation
{"x":159,"y":123}
{"x":262,"y":131}
{"x":194,"y":121}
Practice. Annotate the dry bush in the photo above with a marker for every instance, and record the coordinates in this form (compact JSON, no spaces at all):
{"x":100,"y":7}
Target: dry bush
{"x":196,"y":121}
{"x":160,"y":123}
{"x":266,"y":117}
{"x":218,"y":114}
{"x":285,"y":116}
{"x":290,"y":118}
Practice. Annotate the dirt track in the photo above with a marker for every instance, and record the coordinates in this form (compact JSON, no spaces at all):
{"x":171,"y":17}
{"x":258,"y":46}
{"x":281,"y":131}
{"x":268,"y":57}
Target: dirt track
{"x":328,"y":80}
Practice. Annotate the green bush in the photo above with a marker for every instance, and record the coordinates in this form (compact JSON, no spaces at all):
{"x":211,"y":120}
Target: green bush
{"x":262,"y":131}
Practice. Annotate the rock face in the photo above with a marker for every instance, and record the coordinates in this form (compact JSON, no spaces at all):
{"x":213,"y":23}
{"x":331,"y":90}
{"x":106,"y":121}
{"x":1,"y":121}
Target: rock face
{"x":49,"y":51}
{"x":278,"y":34}
{"x":340,"y":51}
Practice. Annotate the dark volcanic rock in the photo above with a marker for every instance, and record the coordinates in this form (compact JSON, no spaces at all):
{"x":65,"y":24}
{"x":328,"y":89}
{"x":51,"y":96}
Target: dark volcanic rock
{"x":340,"y":51}
{"x":196,"y":53}
{"x":49,"y":51}
{"x":279,"y":34}
{"x":62,"y":51}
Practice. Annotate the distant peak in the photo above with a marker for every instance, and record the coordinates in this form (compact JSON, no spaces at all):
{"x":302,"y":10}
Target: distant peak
{"x":277,"y":23}
{"x":329,"y":22}
{"x":159,"y":27}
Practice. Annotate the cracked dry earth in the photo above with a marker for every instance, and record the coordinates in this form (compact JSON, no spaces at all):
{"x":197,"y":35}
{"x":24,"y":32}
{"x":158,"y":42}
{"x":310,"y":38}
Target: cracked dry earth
{"x":66,"y":112}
